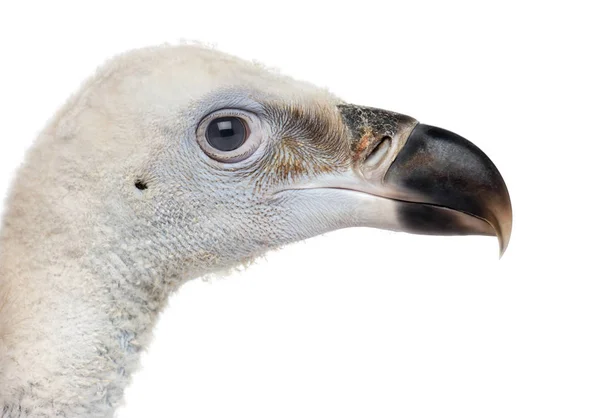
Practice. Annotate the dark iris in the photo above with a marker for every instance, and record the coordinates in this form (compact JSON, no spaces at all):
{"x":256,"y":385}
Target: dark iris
{"x":226,"y":134}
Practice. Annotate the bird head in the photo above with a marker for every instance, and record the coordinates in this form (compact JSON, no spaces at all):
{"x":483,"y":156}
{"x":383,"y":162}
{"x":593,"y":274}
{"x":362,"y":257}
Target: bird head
{"x":203,"y":161}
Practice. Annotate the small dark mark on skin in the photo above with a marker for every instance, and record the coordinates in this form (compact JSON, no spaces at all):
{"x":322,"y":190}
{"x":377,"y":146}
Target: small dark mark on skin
{"x":141,"y":185}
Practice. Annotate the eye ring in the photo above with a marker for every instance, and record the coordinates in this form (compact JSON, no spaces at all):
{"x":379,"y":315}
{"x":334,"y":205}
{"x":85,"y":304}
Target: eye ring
{"x":229,"y":135}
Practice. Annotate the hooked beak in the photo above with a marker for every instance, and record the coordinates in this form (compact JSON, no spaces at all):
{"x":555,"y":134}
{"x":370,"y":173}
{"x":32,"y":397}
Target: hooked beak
{"x":442,"y":184}
{"x":455,"y":187}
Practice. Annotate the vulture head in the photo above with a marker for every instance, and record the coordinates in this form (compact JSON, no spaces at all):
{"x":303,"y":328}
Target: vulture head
{"x":174,"y":162}
{"x":213,"y":161}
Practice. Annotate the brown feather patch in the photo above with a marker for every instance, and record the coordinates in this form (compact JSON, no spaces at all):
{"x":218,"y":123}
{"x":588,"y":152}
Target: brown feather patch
{"x":307,"y":140}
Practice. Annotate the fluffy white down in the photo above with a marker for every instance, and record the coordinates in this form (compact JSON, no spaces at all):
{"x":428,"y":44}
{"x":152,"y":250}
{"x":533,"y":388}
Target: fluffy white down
{"x":87,"y":261}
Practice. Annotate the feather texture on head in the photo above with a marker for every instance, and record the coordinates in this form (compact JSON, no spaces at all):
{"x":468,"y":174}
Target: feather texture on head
{"x":124,"y":197}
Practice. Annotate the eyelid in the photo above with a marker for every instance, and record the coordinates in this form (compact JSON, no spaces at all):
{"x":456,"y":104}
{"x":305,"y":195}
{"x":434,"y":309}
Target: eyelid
{"x":254,"y":136}
{"x":224,"y":112}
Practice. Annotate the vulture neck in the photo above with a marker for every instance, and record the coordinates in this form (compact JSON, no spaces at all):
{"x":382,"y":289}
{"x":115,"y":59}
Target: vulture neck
{"x":76,"y":308}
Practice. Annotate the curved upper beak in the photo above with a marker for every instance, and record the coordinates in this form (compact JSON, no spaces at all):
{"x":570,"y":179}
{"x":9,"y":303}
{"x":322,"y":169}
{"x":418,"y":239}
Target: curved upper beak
{"x":441,"y":182}
{"x":456,"y":187}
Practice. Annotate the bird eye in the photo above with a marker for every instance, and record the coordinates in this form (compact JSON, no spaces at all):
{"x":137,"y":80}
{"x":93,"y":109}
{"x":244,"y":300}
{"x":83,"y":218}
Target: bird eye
{"x":229,"y":135}
{"x":226,"y":134}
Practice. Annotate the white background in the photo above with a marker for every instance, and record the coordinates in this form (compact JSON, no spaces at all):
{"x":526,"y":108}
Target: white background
{"x":365,"y":323}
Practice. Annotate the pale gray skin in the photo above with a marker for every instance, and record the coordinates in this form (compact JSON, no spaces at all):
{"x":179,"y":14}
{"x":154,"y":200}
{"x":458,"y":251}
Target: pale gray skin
{"x":88,"y":260}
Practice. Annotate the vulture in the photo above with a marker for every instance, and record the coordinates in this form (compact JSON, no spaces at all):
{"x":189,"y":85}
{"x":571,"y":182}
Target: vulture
{"x":178,"y":161}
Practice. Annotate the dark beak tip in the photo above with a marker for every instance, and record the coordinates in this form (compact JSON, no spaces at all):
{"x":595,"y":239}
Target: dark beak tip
{"x":504,"y":232}
{"x":443,"y":169}
{"x":503,"y":243}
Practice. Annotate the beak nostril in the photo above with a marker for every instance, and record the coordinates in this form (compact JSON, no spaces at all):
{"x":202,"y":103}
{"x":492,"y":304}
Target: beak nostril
{"x":379,"y":152}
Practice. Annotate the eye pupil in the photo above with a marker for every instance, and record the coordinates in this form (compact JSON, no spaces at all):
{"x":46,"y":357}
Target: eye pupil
{"x":227,"y":133}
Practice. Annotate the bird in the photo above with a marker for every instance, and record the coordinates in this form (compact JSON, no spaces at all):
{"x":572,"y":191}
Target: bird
{"x":173,"y":162}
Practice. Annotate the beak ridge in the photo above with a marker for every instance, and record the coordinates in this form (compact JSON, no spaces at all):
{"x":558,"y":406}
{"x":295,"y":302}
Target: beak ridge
{"x":454,"y":187}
